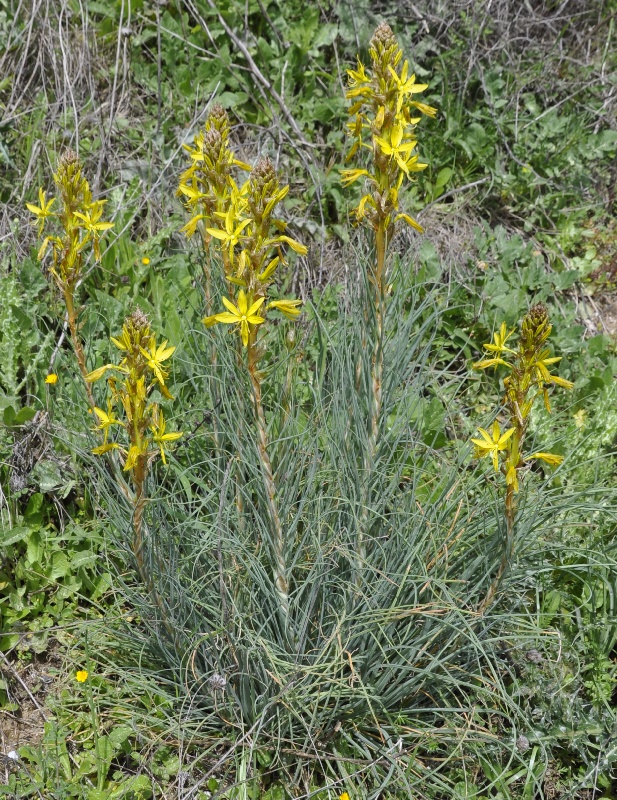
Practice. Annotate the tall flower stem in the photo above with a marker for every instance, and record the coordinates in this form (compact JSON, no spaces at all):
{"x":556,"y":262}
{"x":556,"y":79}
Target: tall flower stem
{"x":78,"y":347}
{"x":280,"y":566}
{"x":506,"y":556}
{"x":529,"y":379}
{"x":376,"y":385}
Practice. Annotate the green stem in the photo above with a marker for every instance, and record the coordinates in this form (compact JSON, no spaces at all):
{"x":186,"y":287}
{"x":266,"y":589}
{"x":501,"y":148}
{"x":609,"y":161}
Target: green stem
{"x":140,"y":472}
{"x":280,"y":566}
{"x":376,"y":387}
{"x":77,"y":345}
{"x":508,"y":549}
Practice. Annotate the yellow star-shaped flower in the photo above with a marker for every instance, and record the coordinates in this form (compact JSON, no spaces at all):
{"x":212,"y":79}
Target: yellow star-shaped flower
{"x":242,"y":315}
{"x":490,"y":445}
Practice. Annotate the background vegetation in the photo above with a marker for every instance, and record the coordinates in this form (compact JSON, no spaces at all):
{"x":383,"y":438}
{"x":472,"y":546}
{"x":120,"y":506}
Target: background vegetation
{"x":518,"y":205}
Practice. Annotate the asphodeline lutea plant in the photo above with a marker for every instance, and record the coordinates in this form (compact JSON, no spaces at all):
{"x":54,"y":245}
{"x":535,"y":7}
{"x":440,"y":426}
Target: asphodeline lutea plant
{"x":131,"y":411}
{"x":253,"y":244}
{"x":529,"y":378}
{"x":77,"y":226}
{"x":207,"y":185}
{"x":383,"y":118}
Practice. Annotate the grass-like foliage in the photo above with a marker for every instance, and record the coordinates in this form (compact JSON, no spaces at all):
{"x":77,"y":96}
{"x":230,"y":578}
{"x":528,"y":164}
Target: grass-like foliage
{"x":381,"y":671}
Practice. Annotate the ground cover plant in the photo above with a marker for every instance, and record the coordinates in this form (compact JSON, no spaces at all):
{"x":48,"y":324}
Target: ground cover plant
{"x":308,"y":478}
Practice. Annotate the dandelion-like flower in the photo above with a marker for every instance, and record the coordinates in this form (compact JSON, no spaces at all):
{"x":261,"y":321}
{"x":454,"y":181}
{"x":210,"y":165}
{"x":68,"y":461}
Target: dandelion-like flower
{"x":81,"y":676}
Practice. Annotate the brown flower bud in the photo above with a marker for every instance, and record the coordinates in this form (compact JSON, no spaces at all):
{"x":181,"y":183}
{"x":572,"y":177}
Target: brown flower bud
{"x":383,"y":38}
{"x":535,"y":327}
{"x":218,"y":116}
{"x":68,"y":159}
{"x":263,"y":172}
{"x":212,"y":142}
{"x":138,"y":319}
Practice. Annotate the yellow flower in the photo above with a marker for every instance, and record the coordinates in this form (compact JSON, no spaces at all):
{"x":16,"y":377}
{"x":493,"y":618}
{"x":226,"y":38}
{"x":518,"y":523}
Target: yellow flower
{"x":44,"y":210}
{"x":287,"y":307}
{"x":398,"y":149}
{"x":491,"y":445}
{"x":349,"y":176}
{"x":357,"y":82}
{"x":405,"y":86}
{"x":269,"y":270}
{"x":242,"y":315}
{"x":105,"y":448}
{"x":550,"y":458}
{"x":191,"y":225}
{"x":91,"y":219}
{"x":411,"y":222}
{"x":499,"y":341}
{"x":51,"y":378}
{"x":155,"y":358}
{"x":96,"y":374}
{"x":160,"y":437}
{"x":344,"y":796}
{"x":232,"y":233}
{"x":541,"y":365}
{"x":490,"y":362}
{"x":295,"y":246}
{"x":81,"y":676}
{"x":424,"y":109}
{"x":131,"y":459}
{"x":107,"y":420}
{"x":145,"y":261}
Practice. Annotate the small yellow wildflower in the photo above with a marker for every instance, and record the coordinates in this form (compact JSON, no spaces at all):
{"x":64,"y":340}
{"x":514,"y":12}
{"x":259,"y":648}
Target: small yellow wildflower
{"x":81,"y":676}
{"x":232,"y":233}
{"x":344,"y":796}
{"x":51,"y":378}
{"x":550,"y":458}
{"x":242,"y":315}
{"x":44,"y":210}
{"x":155,"y":358}
{"x":287,"y":307}
{"x":106,"y":420}
{"x":491,"y":445}
{"x":160,"y":437}
{"x":500,"y":338}
{"x":91,"y":219}
{"x":145,"y":261}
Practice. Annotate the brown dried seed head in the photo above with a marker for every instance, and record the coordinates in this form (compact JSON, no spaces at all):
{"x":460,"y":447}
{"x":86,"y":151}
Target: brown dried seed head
{"x":383,"y":38}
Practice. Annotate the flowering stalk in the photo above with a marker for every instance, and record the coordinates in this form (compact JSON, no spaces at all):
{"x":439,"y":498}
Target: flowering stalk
{"x":252,"y":251}
{"x":206,"y":186}
{"x":130,"y":409}
{"x":529,"y":378}
{"x":79,"y":223}
{"x":384,"y":111}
